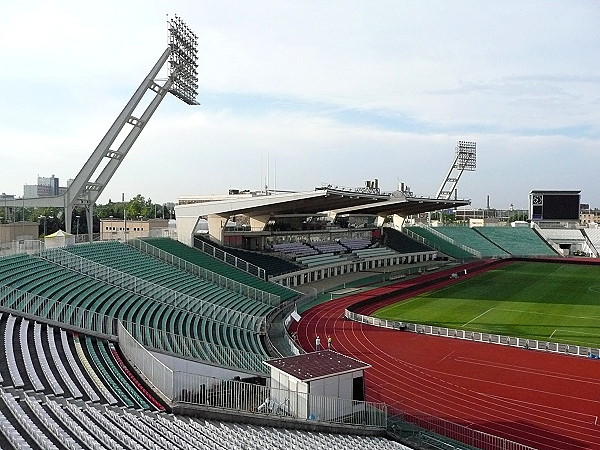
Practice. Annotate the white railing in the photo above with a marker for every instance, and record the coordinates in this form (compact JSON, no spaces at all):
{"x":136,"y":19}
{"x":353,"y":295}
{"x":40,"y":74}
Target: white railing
{"x":415,"y":236}
{"x":187,"y":347}
{"x":442,"y":236}
{"x":208,"y":275}
{"x":203,"y":308}
{"x":251,"y":398}
{"x":230,"y":259}
{"x":193,"y":389}
{"x":477,"y":336}
{"x":157,"y":373}
{"x":457,"y":432}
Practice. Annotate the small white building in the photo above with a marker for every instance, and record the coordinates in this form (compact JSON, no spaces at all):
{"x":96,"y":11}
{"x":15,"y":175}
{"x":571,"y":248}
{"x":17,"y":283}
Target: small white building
{"x":322,"y":385}
{"x":59,"y":239}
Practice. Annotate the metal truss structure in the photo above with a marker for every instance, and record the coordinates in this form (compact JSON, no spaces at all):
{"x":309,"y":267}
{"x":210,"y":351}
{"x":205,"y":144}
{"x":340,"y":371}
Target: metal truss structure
{"x":465,"y":159}
{"x":182,"y":81}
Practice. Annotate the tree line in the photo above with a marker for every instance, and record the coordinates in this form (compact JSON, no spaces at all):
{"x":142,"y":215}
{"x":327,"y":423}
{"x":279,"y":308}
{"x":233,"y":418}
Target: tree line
{"x":53,"y":219}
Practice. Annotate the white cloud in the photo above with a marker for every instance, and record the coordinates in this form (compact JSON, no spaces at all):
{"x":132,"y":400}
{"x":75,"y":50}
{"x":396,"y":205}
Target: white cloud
{"x":337,"y":92}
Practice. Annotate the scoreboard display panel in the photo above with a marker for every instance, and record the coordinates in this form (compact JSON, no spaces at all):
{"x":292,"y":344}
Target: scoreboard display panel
{"x":555,"y":206}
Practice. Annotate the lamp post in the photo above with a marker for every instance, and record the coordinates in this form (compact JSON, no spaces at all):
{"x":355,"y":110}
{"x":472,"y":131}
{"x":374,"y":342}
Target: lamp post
{"x":77,"y":229}
{"x":45,"y":217}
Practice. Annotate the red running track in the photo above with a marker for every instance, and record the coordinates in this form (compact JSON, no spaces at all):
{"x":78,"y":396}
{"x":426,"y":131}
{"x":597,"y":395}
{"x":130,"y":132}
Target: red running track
{"x":543,"y":400}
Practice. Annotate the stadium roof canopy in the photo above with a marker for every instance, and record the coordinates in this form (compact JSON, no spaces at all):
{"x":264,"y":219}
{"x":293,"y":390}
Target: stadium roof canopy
{"x":260,"y":208}
{"x":404,"y":206}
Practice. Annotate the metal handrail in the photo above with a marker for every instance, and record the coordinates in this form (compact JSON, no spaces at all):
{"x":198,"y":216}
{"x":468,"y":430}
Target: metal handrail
{"x":158,"y":293}
{"x":442,"y":236}
{"x":224,"y":256}
{"x":208,"y":275}
{"x":82,"y":320}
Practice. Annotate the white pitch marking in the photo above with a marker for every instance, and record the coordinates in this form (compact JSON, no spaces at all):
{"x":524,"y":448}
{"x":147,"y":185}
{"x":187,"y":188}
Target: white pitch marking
{"x":552,"y":334}
{"x":475,"y":318}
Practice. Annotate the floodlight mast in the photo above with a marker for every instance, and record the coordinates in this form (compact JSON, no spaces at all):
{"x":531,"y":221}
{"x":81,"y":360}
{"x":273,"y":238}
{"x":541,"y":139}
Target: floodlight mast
{"x":182,"y":81}
{"x":465,"y":159}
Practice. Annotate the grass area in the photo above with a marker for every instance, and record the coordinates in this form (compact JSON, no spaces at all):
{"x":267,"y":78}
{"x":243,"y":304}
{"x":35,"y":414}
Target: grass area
{"x":547,"y":301}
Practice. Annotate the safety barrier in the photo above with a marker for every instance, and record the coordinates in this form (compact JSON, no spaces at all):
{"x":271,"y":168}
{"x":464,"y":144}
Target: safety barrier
{"x":157,"y":373}
{"x":52,"y":311}
{"x":208,"y":310}
{"x":477,"y":336}
{"x":235,"y":395}
{"x":213,"y":277}
{"x":230,"y":259}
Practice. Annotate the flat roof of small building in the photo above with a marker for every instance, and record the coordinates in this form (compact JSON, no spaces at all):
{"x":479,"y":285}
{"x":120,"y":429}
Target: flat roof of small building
{"x":316,"y":365}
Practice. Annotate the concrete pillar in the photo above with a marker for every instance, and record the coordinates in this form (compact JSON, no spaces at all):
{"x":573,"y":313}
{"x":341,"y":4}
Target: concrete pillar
{"x":216,"y":224}
{"x":398,"y":221}
{"x":258,"y":223}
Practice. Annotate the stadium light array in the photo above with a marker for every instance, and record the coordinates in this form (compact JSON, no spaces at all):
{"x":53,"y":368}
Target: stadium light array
{"x":183,"y":61}
{"x":466,"y":155}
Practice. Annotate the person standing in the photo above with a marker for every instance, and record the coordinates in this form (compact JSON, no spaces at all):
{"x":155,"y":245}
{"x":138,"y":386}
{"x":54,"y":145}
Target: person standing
{"x":318,"y":343}
{"x":329,"y":342}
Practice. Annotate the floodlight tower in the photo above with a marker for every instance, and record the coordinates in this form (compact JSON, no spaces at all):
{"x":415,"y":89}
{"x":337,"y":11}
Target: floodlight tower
{"x":181,"y":55}
{"x":464,"y":159}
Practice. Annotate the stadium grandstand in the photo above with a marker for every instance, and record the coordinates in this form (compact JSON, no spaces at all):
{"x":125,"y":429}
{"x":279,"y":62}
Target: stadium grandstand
{"x":209,"y":341}
{"x":156,"y":334}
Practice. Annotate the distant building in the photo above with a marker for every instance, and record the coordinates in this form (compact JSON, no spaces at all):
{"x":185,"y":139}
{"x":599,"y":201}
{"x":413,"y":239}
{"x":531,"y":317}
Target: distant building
{"x":589,"y":216}
{"x":488,"y":216}
{"x":112,"y":229}
{"x":7,"y":203}
{"x":45,"y":187}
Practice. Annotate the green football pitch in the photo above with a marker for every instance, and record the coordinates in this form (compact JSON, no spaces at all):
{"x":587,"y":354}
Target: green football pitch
{"x":547,"y":301}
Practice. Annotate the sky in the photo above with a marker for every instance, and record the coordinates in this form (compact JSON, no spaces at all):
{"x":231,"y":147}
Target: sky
{"x":295,"y":95}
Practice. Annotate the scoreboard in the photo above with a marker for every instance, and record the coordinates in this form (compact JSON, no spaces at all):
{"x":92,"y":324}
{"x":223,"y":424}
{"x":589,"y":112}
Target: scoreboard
{"x":554,"y":205}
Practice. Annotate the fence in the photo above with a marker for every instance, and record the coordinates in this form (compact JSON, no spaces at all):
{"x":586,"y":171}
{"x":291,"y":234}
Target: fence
{"x":442,"y":236}
{"x":16,"y":301}
{"x":460,"y":433}
{"x":220,"y":280}
{"x":254,"y":398}
{"x":230,"y":259}
{"x":158,"y":374}
{"x":207,"y":310}
{"x":186,"y":347}
{"x":476,"y":336}
{"x":194,"y":389}
{"x":85,"y":321}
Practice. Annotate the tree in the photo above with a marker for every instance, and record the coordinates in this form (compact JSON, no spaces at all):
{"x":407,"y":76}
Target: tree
{"x":138,"y":206}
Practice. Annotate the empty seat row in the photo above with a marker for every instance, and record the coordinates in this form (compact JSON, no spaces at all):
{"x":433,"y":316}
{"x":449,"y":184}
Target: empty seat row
{"x":26,"y":422}
{"x":52,"y":381}
{"x":77,"y":425}
{"x":201,"y":259}
{"x":110,"y":300}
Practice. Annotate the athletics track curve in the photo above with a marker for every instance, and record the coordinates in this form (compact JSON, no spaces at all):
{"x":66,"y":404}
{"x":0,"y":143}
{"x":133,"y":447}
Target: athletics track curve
{"x":546,"y":401}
